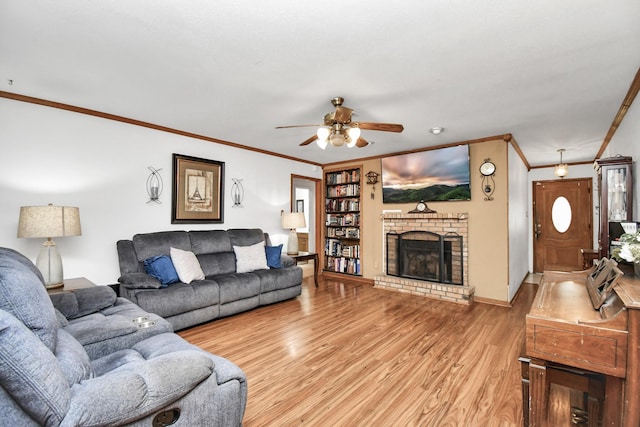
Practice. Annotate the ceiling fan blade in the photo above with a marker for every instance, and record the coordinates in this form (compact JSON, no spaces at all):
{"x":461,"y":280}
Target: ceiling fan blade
{"x":384,"y":127}
{"x":362,"y":142}
{"x":295,"y":126}
{"x":342,"y":114}
{"x":309,"y":141}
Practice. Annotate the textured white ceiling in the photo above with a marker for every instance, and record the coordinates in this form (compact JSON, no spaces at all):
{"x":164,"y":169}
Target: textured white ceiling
{"x":552,"y":73}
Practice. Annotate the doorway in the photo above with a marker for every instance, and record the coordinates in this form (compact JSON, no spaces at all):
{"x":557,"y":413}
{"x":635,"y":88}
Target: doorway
{"x":562,"y":223}
{"x":304,"y":198}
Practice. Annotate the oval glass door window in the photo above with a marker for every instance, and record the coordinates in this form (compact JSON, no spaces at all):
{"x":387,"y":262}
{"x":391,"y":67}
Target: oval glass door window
{"x":561,"y":214}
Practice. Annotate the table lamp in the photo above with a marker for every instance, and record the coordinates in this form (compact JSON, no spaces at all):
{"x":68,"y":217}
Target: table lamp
{"x":292,"y":221}
{"x":49,"y":221}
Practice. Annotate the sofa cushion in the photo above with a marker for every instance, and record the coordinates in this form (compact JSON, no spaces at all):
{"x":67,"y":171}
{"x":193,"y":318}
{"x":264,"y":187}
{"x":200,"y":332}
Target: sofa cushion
{"x":83,"y":301}
{"x":74,"y":360}
{"x":278,"y":278}
{"x":148,"y":245}
{"x":179,"y":298}
{"x":187,"y":265}
{"x":137,"y":388}
{"x":250,"y":258}
{"x":234,"y":287}
{"x":274,"y":255}
{"x":218,"y":263}
{"x":245,"y":236}
{"x":30,"y":373}
{"x":139,"y":281}
{"x":161,"y":267}
{"x":24,"y":296}
{"x":210,"y":242}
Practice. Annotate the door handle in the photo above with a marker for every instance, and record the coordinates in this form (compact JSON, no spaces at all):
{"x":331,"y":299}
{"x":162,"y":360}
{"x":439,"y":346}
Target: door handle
{"x":538,"y":230}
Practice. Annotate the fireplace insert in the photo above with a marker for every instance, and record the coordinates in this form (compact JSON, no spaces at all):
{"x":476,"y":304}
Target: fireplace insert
{"x":425,"y":255}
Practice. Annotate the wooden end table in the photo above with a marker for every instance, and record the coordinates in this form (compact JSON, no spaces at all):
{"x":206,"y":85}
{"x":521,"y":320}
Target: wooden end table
{"x":72,"y":284}
{"x":308,"y":256}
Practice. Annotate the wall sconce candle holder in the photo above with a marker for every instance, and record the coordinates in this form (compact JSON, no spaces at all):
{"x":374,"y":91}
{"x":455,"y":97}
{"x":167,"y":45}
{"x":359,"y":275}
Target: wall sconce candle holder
{"x":237,"y":193}
{"x":154,"y":185}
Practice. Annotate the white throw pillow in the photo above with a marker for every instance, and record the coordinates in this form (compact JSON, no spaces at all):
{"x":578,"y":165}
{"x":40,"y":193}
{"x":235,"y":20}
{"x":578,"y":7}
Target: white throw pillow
{"x":186,"y":265}
{"x":249,"y":258}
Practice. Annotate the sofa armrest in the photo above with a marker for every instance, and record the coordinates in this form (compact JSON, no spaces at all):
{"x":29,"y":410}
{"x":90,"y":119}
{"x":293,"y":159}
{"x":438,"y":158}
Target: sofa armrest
{"x":287,"y":261}
{"x":137,"y":388}
{"x":83,"y":301}
{"x":139,"y":281}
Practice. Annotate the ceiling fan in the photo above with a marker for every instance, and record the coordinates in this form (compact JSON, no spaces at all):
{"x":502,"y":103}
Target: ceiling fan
{"x":338,"y":129}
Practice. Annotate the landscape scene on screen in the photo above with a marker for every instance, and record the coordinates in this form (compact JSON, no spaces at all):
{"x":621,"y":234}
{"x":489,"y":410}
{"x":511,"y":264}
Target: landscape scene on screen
{"x":435,"y":175}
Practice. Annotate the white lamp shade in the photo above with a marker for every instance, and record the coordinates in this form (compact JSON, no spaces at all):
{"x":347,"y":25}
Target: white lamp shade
{"x":337,"y":139}
{"x":293,"y":220}
{"x":49,"y":221}
{"x":354,"y":134}
{"x":323,"y":135}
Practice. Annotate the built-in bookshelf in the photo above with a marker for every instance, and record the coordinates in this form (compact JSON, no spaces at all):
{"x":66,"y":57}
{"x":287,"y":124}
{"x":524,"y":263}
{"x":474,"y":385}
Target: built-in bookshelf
{"x":342,"y":221}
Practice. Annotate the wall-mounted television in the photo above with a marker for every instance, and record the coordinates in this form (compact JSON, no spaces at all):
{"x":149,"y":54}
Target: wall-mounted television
{"x":433,"y":175}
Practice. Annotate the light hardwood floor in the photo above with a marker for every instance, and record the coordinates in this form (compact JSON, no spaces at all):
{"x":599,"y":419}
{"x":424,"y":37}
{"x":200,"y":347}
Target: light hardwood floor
{"x":346,"y":354}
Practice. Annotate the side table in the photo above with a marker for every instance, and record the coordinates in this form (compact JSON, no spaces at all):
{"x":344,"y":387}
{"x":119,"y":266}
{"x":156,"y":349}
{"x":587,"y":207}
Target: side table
{"x":72,"y":284}
{"x":308,"y":256}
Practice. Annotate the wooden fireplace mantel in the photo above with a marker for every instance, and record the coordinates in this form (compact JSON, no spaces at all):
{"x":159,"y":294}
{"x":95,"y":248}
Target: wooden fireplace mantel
{"x":460,"y":216}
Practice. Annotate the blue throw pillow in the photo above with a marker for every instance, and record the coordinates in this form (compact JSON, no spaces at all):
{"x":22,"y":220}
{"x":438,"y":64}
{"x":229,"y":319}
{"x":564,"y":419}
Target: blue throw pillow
{"x":162,"y":269}
{"x":273,"y":256}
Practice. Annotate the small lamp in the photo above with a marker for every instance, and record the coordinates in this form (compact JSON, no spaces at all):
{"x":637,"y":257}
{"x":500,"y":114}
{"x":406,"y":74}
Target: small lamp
{"x":49,"y":221}
{"x":292,"y":221}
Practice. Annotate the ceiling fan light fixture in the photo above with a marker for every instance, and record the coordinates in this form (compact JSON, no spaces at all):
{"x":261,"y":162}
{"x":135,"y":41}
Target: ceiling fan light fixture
{"x":436,"y":130}
{"x":562,"y":169}
{"x":339,"y":129}
{"x":323,"y":133}
{"x":354,"y":134}
{"x":337,"y":139}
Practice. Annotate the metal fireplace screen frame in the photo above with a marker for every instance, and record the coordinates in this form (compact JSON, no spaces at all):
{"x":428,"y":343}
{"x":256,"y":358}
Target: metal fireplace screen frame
{"x":425,"y":255}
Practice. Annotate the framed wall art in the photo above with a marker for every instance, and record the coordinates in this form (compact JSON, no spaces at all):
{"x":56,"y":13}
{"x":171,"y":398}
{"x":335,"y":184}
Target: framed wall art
{"x":198,"y":190}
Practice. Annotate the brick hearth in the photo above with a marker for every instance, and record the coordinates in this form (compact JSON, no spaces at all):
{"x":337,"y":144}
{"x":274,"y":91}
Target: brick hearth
{"x":435,"y":223}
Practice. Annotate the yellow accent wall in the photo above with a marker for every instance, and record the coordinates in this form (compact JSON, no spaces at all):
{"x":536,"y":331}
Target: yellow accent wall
{"x":488,"y":244}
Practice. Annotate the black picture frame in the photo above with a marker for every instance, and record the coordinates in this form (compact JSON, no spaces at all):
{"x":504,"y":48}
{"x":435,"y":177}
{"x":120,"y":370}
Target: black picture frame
{"x":197,"y":190}
{"x":300,"y":205}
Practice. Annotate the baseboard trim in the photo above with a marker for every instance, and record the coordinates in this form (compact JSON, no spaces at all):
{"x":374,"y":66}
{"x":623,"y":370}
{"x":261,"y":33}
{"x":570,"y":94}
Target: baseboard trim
{"x":329,"y":275}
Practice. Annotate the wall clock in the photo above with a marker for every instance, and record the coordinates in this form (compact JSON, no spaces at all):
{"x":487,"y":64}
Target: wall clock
{"x":487,"y":170}
{"x":372,"y":177}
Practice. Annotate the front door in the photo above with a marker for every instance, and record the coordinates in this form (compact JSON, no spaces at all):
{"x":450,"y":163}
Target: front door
{"x":562,"y":223}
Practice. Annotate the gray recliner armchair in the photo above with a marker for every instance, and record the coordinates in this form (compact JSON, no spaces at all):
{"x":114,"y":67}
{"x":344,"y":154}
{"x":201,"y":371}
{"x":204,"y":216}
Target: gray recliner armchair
{"x":47,"y":377}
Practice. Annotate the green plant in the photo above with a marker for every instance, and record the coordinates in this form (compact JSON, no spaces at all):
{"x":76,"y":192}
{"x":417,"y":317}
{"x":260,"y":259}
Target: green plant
{"x":630,"y":248}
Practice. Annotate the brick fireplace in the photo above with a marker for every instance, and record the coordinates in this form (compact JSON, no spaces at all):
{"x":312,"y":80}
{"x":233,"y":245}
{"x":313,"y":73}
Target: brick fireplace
{"x":433,"y":278}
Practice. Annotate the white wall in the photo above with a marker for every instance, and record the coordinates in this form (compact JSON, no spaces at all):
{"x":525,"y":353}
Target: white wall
{"x":518,"y":224}
{"x":54,"y":156}
{"x":626,"y":142}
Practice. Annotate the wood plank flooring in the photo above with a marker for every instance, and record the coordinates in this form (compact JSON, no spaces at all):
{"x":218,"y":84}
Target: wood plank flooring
{"x":346,"y":354}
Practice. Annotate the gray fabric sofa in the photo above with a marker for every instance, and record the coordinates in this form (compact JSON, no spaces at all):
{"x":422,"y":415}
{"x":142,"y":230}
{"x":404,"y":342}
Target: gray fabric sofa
{"x":223,"y":291}
{"x":47,"y":377}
